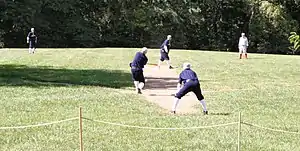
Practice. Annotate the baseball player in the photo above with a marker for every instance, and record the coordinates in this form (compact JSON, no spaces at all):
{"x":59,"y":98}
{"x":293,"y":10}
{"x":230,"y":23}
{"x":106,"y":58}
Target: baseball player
{"x":243,"y":45}
{"x":164,"y":52}
{"x":188,"y":81}
{"x":32,"y":40}
{"x":137,"y":65}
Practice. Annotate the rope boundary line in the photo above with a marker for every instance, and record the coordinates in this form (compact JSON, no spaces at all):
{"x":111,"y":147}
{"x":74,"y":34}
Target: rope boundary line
{"x":147,"y":127}
{"x":38,"y":125}
{"x":160,"y":128}
{"x":270,"y":129}
{"x":186,"y":128}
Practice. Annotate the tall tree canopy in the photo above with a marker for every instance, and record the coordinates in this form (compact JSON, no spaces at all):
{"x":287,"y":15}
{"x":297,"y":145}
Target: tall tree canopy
{"x":194,"y":24}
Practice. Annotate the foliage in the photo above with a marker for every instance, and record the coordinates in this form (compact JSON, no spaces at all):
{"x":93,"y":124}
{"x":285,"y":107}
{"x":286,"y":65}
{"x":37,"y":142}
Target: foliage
{"x":270,"y":27}
{"x":295,"y":40}
{"x":194,"y":24}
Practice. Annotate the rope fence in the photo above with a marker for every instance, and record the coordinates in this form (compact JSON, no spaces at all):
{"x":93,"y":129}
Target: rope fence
{"x":39,"y":125}
{"x":270,"y":129}
{"x":161,"y":128}
{"x":81,"y":118}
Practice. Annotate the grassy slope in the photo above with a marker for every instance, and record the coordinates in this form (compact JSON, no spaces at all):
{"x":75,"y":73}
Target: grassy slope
{"x":51,"y":84}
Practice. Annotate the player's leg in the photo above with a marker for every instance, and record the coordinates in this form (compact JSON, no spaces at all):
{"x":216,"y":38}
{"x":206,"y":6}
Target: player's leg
{"x":168,"y":61}
{"x":200,"y":97}
{"x":241,"y":52}
{"x":30,"y":47}
{"x":182,"y":92}
{"x":141,"y":80}
{"x":245,"y":52}
{"x":33,"y":47}
{"x":167,"y":58}
{"x":135,"y":78}
{"x":160,"y":60}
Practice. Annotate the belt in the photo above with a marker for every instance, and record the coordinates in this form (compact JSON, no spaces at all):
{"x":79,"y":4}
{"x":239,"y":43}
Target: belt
{"x":133,"y":67}
{"x":191,"y":80}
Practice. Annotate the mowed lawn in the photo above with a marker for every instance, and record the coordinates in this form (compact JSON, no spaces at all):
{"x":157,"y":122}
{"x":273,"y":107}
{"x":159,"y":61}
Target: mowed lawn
{"x":51,"y":85}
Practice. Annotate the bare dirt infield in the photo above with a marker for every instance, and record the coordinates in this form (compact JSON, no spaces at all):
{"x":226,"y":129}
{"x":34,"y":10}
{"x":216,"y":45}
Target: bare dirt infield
{"x":160,"y":88}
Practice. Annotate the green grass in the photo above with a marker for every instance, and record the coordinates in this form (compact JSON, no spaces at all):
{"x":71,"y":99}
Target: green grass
{"x":51,"y":84}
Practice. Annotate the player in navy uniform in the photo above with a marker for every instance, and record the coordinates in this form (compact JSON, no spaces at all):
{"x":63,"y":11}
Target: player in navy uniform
{"x":164,"y":52}
{"x":32,"y":40}
{"x":188,"y":78}
{"x":137,"y":65}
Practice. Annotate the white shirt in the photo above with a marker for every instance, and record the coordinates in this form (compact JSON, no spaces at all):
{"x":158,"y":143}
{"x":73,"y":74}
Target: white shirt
{"x":243,"y":41}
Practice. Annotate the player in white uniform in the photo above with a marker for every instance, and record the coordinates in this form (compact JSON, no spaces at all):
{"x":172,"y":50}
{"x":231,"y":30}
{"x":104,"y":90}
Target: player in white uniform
{"x":243,"y":45}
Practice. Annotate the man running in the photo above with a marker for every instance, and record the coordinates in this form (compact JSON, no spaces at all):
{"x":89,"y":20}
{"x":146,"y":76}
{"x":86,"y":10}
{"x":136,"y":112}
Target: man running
{"x":164,"y":52}
{"x":137,"y":65}
{"x":32,"y":40}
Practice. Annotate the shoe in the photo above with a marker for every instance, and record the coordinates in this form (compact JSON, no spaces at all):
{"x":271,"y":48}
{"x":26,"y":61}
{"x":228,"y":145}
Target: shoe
{"x":205,"y":112}
{"x":171,"y":67}
{"x":173,"y":112}
{"x":139,"y":91}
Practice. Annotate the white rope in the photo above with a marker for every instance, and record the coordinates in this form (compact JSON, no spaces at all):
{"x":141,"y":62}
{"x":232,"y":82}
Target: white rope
{"x":37,"y":125}
{"x":271,"y":129}
{"x":161,"y":128}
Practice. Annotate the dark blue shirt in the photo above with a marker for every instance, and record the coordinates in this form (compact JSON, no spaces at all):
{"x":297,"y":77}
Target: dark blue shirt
{"x":32,"y":36}
{"x":139,"y":61}
{"x":165,"y":43}
{"x":187,"y":74}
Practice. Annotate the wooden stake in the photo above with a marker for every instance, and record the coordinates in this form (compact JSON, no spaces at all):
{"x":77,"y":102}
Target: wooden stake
{"x":80,"y":129}
{"x":239,"y":131}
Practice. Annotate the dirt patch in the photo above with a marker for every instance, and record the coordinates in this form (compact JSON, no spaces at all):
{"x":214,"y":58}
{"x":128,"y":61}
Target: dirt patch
{"x":160,"y":88}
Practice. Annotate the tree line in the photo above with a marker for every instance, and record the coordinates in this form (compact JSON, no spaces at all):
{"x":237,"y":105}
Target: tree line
{"x":193,"y":24}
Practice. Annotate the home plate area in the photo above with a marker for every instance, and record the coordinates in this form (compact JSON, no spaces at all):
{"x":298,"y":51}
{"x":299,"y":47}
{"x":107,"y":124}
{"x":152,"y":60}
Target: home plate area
{"x":160,"y":88}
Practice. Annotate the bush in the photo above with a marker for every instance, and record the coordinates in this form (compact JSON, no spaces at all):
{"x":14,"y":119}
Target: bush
{"x":1,"y":44}
{"x":295,"y":40}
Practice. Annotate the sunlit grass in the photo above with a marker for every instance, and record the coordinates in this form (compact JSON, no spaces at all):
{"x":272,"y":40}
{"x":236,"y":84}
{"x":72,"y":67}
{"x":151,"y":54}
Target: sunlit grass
{"x":51,"y":84}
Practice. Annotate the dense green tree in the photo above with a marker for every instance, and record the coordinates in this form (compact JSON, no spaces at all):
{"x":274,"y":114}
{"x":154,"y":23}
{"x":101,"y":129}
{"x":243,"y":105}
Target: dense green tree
{"x":194,"y":24}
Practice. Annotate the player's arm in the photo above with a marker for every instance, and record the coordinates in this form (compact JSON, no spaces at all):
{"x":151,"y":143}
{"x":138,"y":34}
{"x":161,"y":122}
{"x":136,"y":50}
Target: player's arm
{"x":35,"y":39}
{"x":179,"y":84}
{"x":247,"y":42}
{"x":28,"y":38}
{"x":166,"y":48}
{"x":146,"y":60}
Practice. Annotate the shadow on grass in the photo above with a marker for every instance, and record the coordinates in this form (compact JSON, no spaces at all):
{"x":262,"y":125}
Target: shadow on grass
{"x":164,"y":82}
{"x":173,"y":94}
{"x":160,"y":83}
{"x":22,"y":75}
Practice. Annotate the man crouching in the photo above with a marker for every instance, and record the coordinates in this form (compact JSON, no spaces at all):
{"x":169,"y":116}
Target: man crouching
{"x":137,"y":65}
{"x":190,"y":83}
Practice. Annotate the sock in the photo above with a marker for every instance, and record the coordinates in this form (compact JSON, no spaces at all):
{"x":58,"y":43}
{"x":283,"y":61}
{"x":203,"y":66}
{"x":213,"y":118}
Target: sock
{"x":203,"y":105}
{"x":141,"y":85}
{"x":246,"y":56}
{"x":168,"y":62}
{"x":136,"y":84}
{"x":158,"y":65}
{"x":176,"y":101}
{"x":241,"y":56}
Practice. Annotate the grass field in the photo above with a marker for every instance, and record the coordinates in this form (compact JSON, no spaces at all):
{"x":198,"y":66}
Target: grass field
{"x":51,"y":84}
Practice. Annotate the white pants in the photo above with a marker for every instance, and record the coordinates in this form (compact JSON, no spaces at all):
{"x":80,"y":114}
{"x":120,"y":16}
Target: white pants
{"x":243,"y":49}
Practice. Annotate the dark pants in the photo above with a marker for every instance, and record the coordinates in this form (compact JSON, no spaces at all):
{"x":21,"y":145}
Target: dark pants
{"x":137,"y":75}
{"x":31,"y":44}
{"x":164,"y":56}
{"x":192,"y":85}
